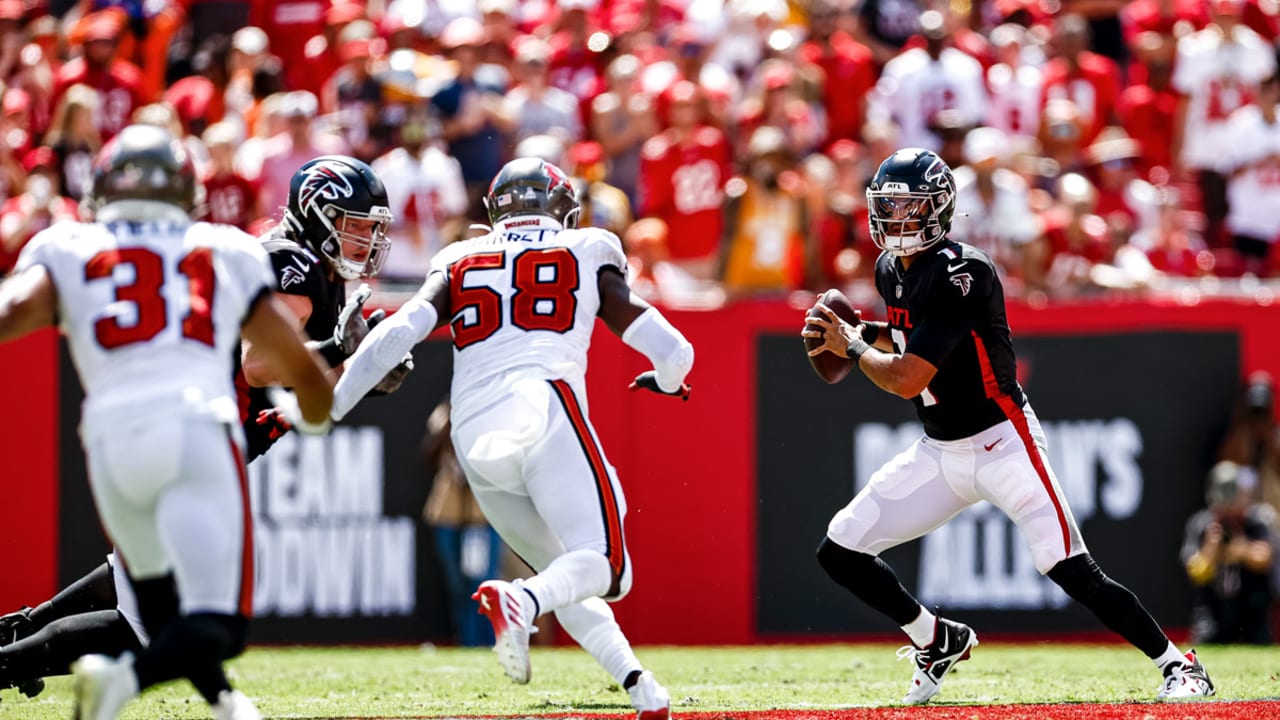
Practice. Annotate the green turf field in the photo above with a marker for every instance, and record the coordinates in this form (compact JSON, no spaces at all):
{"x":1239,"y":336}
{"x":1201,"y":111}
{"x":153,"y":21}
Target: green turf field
{"x":414,"y":683}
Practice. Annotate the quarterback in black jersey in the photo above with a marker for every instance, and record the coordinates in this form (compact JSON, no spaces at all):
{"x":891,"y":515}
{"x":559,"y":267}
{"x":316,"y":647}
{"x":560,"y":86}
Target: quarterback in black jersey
{"x":333,"y":230}
{"x":946,"y":346}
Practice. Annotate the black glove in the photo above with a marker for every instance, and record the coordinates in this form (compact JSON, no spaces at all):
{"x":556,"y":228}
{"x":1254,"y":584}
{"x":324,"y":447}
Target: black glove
{"x":649,"y":381}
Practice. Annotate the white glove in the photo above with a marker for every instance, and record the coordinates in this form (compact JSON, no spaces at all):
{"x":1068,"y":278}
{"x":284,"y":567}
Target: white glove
{"x":286,"y":406}
{"x":352,"y":326}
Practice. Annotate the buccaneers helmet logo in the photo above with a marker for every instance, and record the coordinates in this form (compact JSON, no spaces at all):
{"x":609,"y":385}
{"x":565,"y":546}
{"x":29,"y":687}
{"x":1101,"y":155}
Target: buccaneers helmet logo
{"x":321,"y":182}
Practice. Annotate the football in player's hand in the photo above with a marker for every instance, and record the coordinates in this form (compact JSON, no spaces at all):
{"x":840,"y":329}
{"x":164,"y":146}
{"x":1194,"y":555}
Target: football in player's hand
{"x":831,"y":367}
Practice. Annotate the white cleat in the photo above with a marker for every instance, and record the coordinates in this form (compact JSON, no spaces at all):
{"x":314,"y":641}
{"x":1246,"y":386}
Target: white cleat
{"x":502,"y":603}
{"x":103,"y":685}
{"x":233,"y":705}
{"x":651,"y":700}
{"x":1186,"y":681}
{"x":951,"y":644}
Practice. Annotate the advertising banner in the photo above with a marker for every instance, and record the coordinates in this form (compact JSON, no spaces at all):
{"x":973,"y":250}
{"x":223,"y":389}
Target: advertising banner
{"x":1132,"y":420}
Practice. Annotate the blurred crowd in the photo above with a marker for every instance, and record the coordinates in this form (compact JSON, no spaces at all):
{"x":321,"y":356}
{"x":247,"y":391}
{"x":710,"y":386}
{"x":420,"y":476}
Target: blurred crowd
{"x":1099,"y":146}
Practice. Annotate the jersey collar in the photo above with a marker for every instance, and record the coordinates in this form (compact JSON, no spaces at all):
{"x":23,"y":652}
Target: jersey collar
{"x":528,"y":222}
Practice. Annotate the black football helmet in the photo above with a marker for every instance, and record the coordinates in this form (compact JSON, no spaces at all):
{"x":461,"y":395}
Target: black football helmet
{"x":911,"y":201}
{"x":326,"y":196}
{"x":532,"y":186}
{"x":144,"y":164}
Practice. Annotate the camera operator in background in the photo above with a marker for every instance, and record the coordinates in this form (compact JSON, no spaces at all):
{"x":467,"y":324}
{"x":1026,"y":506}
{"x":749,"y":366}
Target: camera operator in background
{"x":1228,"y":556}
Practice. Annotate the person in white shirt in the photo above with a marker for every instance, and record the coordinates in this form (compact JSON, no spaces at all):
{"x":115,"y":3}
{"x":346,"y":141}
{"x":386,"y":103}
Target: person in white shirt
{"x":1253,"y":188}
{"x":993,"y":203}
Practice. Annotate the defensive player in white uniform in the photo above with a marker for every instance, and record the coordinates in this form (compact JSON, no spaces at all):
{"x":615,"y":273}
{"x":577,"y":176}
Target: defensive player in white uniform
{"x":153,"y":306}
{"x":522,"y":302}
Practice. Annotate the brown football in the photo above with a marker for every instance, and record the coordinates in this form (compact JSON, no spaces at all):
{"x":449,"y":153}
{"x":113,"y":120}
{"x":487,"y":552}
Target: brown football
{"x":831,"y":367}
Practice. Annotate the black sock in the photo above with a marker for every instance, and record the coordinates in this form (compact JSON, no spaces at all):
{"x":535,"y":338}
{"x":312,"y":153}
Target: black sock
{"x":633,"y":677}
{"x":1114,"y":604}
{"x":870,"y":579}
{"x":193,"y":646}
{"x":93,"y":592}
{"x":60,"y":643}
{"x":157,"y":603}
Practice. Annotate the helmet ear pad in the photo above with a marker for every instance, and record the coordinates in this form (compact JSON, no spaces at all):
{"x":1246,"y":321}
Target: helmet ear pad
{"x":917,"y":178}
{"x":532,"y":186}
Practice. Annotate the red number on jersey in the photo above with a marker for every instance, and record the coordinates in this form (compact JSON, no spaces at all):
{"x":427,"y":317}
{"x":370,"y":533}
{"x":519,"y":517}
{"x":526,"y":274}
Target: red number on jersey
{"x":486,"y":301}
{"x":545,"y":281}
{"x":144,"y":292}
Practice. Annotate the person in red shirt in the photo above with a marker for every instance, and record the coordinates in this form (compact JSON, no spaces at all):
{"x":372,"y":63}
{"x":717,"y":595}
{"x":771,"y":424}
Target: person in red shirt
{"x":118,"y":82}
{"x":231,"y":198}
{"x":290,"y":24}
{"x":848,"y":68}
{"x":683,"y":172}
{"x":1147,"y":109}
{"x":38,"y":207}
{"x":1091,"y":80}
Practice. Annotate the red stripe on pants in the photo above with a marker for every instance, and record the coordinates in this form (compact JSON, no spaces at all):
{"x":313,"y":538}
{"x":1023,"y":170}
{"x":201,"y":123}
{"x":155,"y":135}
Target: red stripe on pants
{"x":246,"y":549}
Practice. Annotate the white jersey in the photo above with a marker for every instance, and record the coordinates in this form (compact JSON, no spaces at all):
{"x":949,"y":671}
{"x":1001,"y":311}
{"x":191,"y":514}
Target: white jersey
{"x":914,"y":88}
{"x":152,"y":312}
{"x":1015,"y":99}
{"x":1253,"y":191}
{"x":1002,"y":228}
{"x":524,"y":300}
{"x":1217,"y":77}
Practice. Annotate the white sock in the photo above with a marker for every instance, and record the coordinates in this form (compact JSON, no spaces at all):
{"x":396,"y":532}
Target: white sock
{"x":570,"y":579}
{"x":921,"y":629}
{"x":1171,"y":654}
{"x":592,"y":625}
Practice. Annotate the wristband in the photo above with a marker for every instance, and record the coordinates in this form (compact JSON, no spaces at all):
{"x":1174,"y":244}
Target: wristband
{"x":856,"y":349}
{"x":332,"y":352}
{"x":870,"y":333}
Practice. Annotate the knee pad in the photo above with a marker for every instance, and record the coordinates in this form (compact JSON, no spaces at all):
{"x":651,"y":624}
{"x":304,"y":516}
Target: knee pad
{"x":1079,"y":576}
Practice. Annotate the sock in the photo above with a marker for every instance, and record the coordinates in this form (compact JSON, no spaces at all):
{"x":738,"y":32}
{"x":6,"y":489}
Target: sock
{"x":60,"y":643}
{"x":922,"y":628}
{"x":1171,"y":655}
{"x":569,"y":579}
{"x":95,"y":591}
{"x":632,"y":678}
{"x":871,"y":580}
{"x":591,"y":624}
{"x":1114,"y":604}
{"x":193,"y":646}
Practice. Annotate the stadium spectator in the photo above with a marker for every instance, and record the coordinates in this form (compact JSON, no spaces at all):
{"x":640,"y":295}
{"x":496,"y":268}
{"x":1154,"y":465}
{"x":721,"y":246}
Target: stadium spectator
{"x":776,"y":100}
{"x":766,"y":246}
{"x":290,"y":25}
{"x":15,"y":138}
{"x":1075,"y":238}
{"x":74,"y":137}
{"x":1253,"y":180}
{"x":1014,"y":84}
{"x":230,"y":197}
{"x":1217,"y":71}
{"x":1228,"y":555}
{"x":622,"y":118}
{"x":884,"y":26}
{"x":356,"y":94}
{"x":534,"y":106}
{"x":653,"y":276}
{"x":1090,"y":80}
{"x":1111,"y":165}
{"x":117,"y":82}
{"x":1174,"y":248}
{"x":1063,"y":129}
{"x":683,"y":172}
{"x":38,"y":207}
{"x":837,"y":208}
{"x":603,"y":205}
{"x":200,"y":99}
{"x":286,"y":151}
{"x":993,"y":204}
{"x":1148,"y":106}
{"x":12,"y":12}
{"x":1252,"y":439}
{"x":848,"y":71}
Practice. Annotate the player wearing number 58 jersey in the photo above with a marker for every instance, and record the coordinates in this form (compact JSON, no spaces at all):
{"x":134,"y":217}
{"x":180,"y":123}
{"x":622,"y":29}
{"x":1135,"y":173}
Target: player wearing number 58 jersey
{"x":521,"y":303}
{"x":153,"y":306}
{"x":946,"y":345}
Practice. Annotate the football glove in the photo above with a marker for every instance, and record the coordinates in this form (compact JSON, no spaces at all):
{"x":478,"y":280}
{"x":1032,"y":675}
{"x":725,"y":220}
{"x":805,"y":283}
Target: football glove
{"x":352,"y":325}
{"x":392,"y":381}
{"x":289,"y":414}
{"x":649,"y":381}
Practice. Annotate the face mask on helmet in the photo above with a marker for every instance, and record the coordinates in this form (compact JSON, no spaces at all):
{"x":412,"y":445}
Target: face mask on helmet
{"x":357,"y":242}
{"x":904,"y":223}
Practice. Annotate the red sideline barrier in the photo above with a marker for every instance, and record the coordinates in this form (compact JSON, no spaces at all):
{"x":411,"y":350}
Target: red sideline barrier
{"x":688,"y":468}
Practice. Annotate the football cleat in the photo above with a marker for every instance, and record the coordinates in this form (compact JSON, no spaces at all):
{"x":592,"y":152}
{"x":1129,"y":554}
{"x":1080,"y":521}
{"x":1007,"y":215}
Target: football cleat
{"x":233,"y":705}
{"x":951,"y":644}
{"x":16,"y":625}
{"x":501,"y":602}
{"x":102,"y":686}
{"x":31,"y":688}
{"x":1185,"y":681}
{"x":651,"y":700}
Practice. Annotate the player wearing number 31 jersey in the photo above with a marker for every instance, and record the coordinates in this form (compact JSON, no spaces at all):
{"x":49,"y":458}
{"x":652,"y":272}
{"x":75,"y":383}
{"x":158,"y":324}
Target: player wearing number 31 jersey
{"x":153,"y":306}
{"x":521,"y":303}
{"x":946,"y":346}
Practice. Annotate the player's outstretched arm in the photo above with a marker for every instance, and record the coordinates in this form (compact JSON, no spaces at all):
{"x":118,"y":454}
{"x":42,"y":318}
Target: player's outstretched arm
{"x":28,"y":302}
{"x":641,"y":326}
{"x":386,"y":345}
{"x":258,"y":370}
{"x":270,"y":327}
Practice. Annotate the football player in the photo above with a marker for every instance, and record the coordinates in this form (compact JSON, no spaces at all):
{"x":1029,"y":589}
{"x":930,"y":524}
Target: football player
{"x":521,"y":303}
{"x":153,"y":305}
{"x":946,"y":346}
{"x":334,"y":230}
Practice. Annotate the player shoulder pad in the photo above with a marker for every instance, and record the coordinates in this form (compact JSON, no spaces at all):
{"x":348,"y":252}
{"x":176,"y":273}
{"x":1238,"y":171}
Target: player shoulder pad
{"x":296,"y":269}
{"x":599,"y":244}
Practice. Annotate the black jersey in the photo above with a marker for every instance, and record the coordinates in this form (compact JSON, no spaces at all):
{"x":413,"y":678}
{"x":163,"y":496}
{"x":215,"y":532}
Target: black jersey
{"x":298,"y":272}
{"x":948,"y":309}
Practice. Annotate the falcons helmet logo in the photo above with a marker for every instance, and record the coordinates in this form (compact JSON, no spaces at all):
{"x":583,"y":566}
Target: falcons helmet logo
{"x":321,"y":182}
